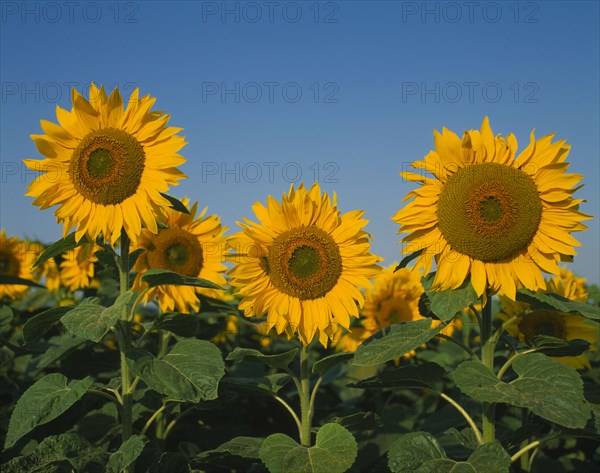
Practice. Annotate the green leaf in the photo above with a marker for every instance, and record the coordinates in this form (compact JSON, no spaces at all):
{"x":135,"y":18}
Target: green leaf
{"x":408,"y":377}
{"x":546,"y":300}
{"x":553,"y":346}
{"x":407,"y":259}
{"x":6,"y":315}
{"x":38,"y":325}
{"x":325,"y":364}
{"x":160,"y":277}
{"x":266,"y":384}
{"x":280,"y":361}
{"x":176,"y":204}
{"x":334,"y":452}
{"x":44,"y":401}
{"x":245,"y":447}
{"x":92,"y":321}
{"x":189,"y":372}
{"x":420,"y":452}
{"x":14,"y":280}
{"x":394,"y":341}
{"x":546,"y":387}
{"x":184,"y":325}
{"x":446,"y":304}
{"x":59,"y":247}
{"x":126,"y":454}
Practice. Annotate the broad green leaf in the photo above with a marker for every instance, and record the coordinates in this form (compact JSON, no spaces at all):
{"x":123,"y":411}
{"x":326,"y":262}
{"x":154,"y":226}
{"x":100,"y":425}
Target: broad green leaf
{"x":126,"y":454}
{"x":38,"y":325}
{"x":6,"y":315}
{"x":184,"y":325}
{"x":420,"y":452}
{"x":553,"y":346}
{"x":14,"y":280}
{"x":266,"y":384}
{"x":325,"y":364}
{"x":407,"y":377}
{"x":176,"y":204}
{"x":281,"y":360}
{"x":245,"y":447}
{"x":44,"y":401}
{"x":160,"y":277}
{"x":334,"y":452}
{"x":58,"y":347}
{"x":546,"y":387}
{"x":189,"y":372}
{"x":394,"y":341}
{"x":92,"y":321}
{"x":446,"y":304}
{"x":359,"y":421}
{"x":59,"y":247}
{"x":546,"y":300}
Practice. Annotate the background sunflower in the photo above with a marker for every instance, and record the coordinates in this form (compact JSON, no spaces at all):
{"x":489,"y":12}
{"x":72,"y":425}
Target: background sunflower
{"x":16,"y":260}
{"x":77,"y":269}
{"x":500,"y":219}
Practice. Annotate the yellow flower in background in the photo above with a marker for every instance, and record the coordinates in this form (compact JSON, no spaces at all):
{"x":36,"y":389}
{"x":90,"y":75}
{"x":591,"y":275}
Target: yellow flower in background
{"x":105,"y":167}
{"x":393,"y":298}
{"x":500,"y":219}
{"x":303,"y":264}
{"x":552,"y":322}
{"x":191,"y":246}
{"x":15,"y":260}
{"x":47,"y":271}
{"x":77,"y":269}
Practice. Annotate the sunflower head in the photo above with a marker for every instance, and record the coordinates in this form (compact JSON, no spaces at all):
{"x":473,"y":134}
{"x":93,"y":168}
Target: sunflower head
{"x":190,"y":245}
{"x":488,"y":212}
{"x":302,"y":264}
{"x":553,"y":323}
{"x":16,"y":259}
{"x":106,"y":166}
{"x":77,"y":269}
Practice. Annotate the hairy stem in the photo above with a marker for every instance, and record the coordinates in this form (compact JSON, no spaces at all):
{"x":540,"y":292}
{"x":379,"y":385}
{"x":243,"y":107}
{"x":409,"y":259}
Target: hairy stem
{"x":306,"y":415}
{"x":487,"y":358}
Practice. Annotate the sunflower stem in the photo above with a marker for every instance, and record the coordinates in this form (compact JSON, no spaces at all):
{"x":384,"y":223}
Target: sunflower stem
{"x":488,"y":344}
{"x":124,"y":339}
{"x":305,"y":405}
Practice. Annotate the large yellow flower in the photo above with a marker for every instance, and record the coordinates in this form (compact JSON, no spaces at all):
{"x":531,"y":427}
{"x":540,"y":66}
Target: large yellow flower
{"x":105,"y":167}
{"x":303,"y":264}
{"x":15,"y":260}
{"x":191,"y":246}
{"x":500,"y":219}
{"x":77,"y":269}
{"x":393,"y":298}
{"x":551,"y":322}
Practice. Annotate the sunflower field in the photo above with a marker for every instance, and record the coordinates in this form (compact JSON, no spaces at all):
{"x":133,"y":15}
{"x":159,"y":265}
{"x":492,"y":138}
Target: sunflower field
{"x":152,"y":338}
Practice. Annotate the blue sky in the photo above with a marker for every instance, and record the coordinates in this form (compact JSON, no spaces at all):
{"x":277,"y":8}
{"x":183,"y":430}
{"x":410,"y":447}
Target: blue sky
{"x":269,"y":93}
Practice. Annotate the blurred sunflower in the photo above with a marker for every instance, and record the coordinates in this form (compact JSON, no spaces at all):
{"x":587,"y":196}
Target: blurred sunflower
{"x":393,"y":298}
{"x":77,"y":269}
{"x":303,"y":264}
{"x":191,"y":246}
{"x":106,"y":167}
{"x":552,"y":322}
{"x":48,"y":270}
{"x":15,"y":260}
{"x":500,"y":219}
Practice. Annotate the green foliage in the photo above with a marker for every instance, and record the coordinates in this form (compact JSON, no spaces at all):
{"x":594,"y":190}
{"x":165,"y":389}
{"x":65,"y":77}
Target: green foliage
{"x":38,"y":325}
{"x":425,"y":376}
{"x":446,"y":304}
{"x":59,"y":247}
{"x":546,"y":300}
{"x":176,"y":204}
{"x":334,"y":452}
{"x":280,"y":361}
{"x":160,"y":277}
{"x":127,"y":453}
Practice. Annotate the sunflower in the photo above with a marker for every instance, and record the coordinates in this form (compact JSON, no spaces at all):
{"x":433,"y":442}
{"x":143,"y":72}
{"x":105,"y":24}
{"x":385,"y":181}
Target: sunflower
{"x":15,"y":260}
{"x":106,"y":167}
{"x":484,"y":213}
{"x":303,"y":264}
{"x":191,"y":246}
{"x":48,"y":270}
{"x":552,"y":322}
{"x":77,"y":268}
{"x":393,"y":298}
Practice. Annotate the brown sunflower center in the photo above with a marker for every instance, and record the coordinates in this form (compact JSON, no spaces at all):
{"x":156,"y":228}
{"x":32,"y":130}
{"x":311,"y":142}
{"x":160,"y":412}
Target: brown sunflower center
{"x":107,"y":166}
{"x":543,"y":322}
{"x":176,"y":250}
{"x":304,"y":262}
{"x":489,"y":211}
{"x":9,"y":264}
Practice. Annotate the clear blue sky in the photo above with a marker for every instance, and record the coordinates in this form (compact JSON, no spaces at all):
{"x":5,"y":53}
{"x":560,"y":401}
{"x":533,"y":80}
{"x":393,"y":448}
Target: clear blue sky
{"x":345,"y":91}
